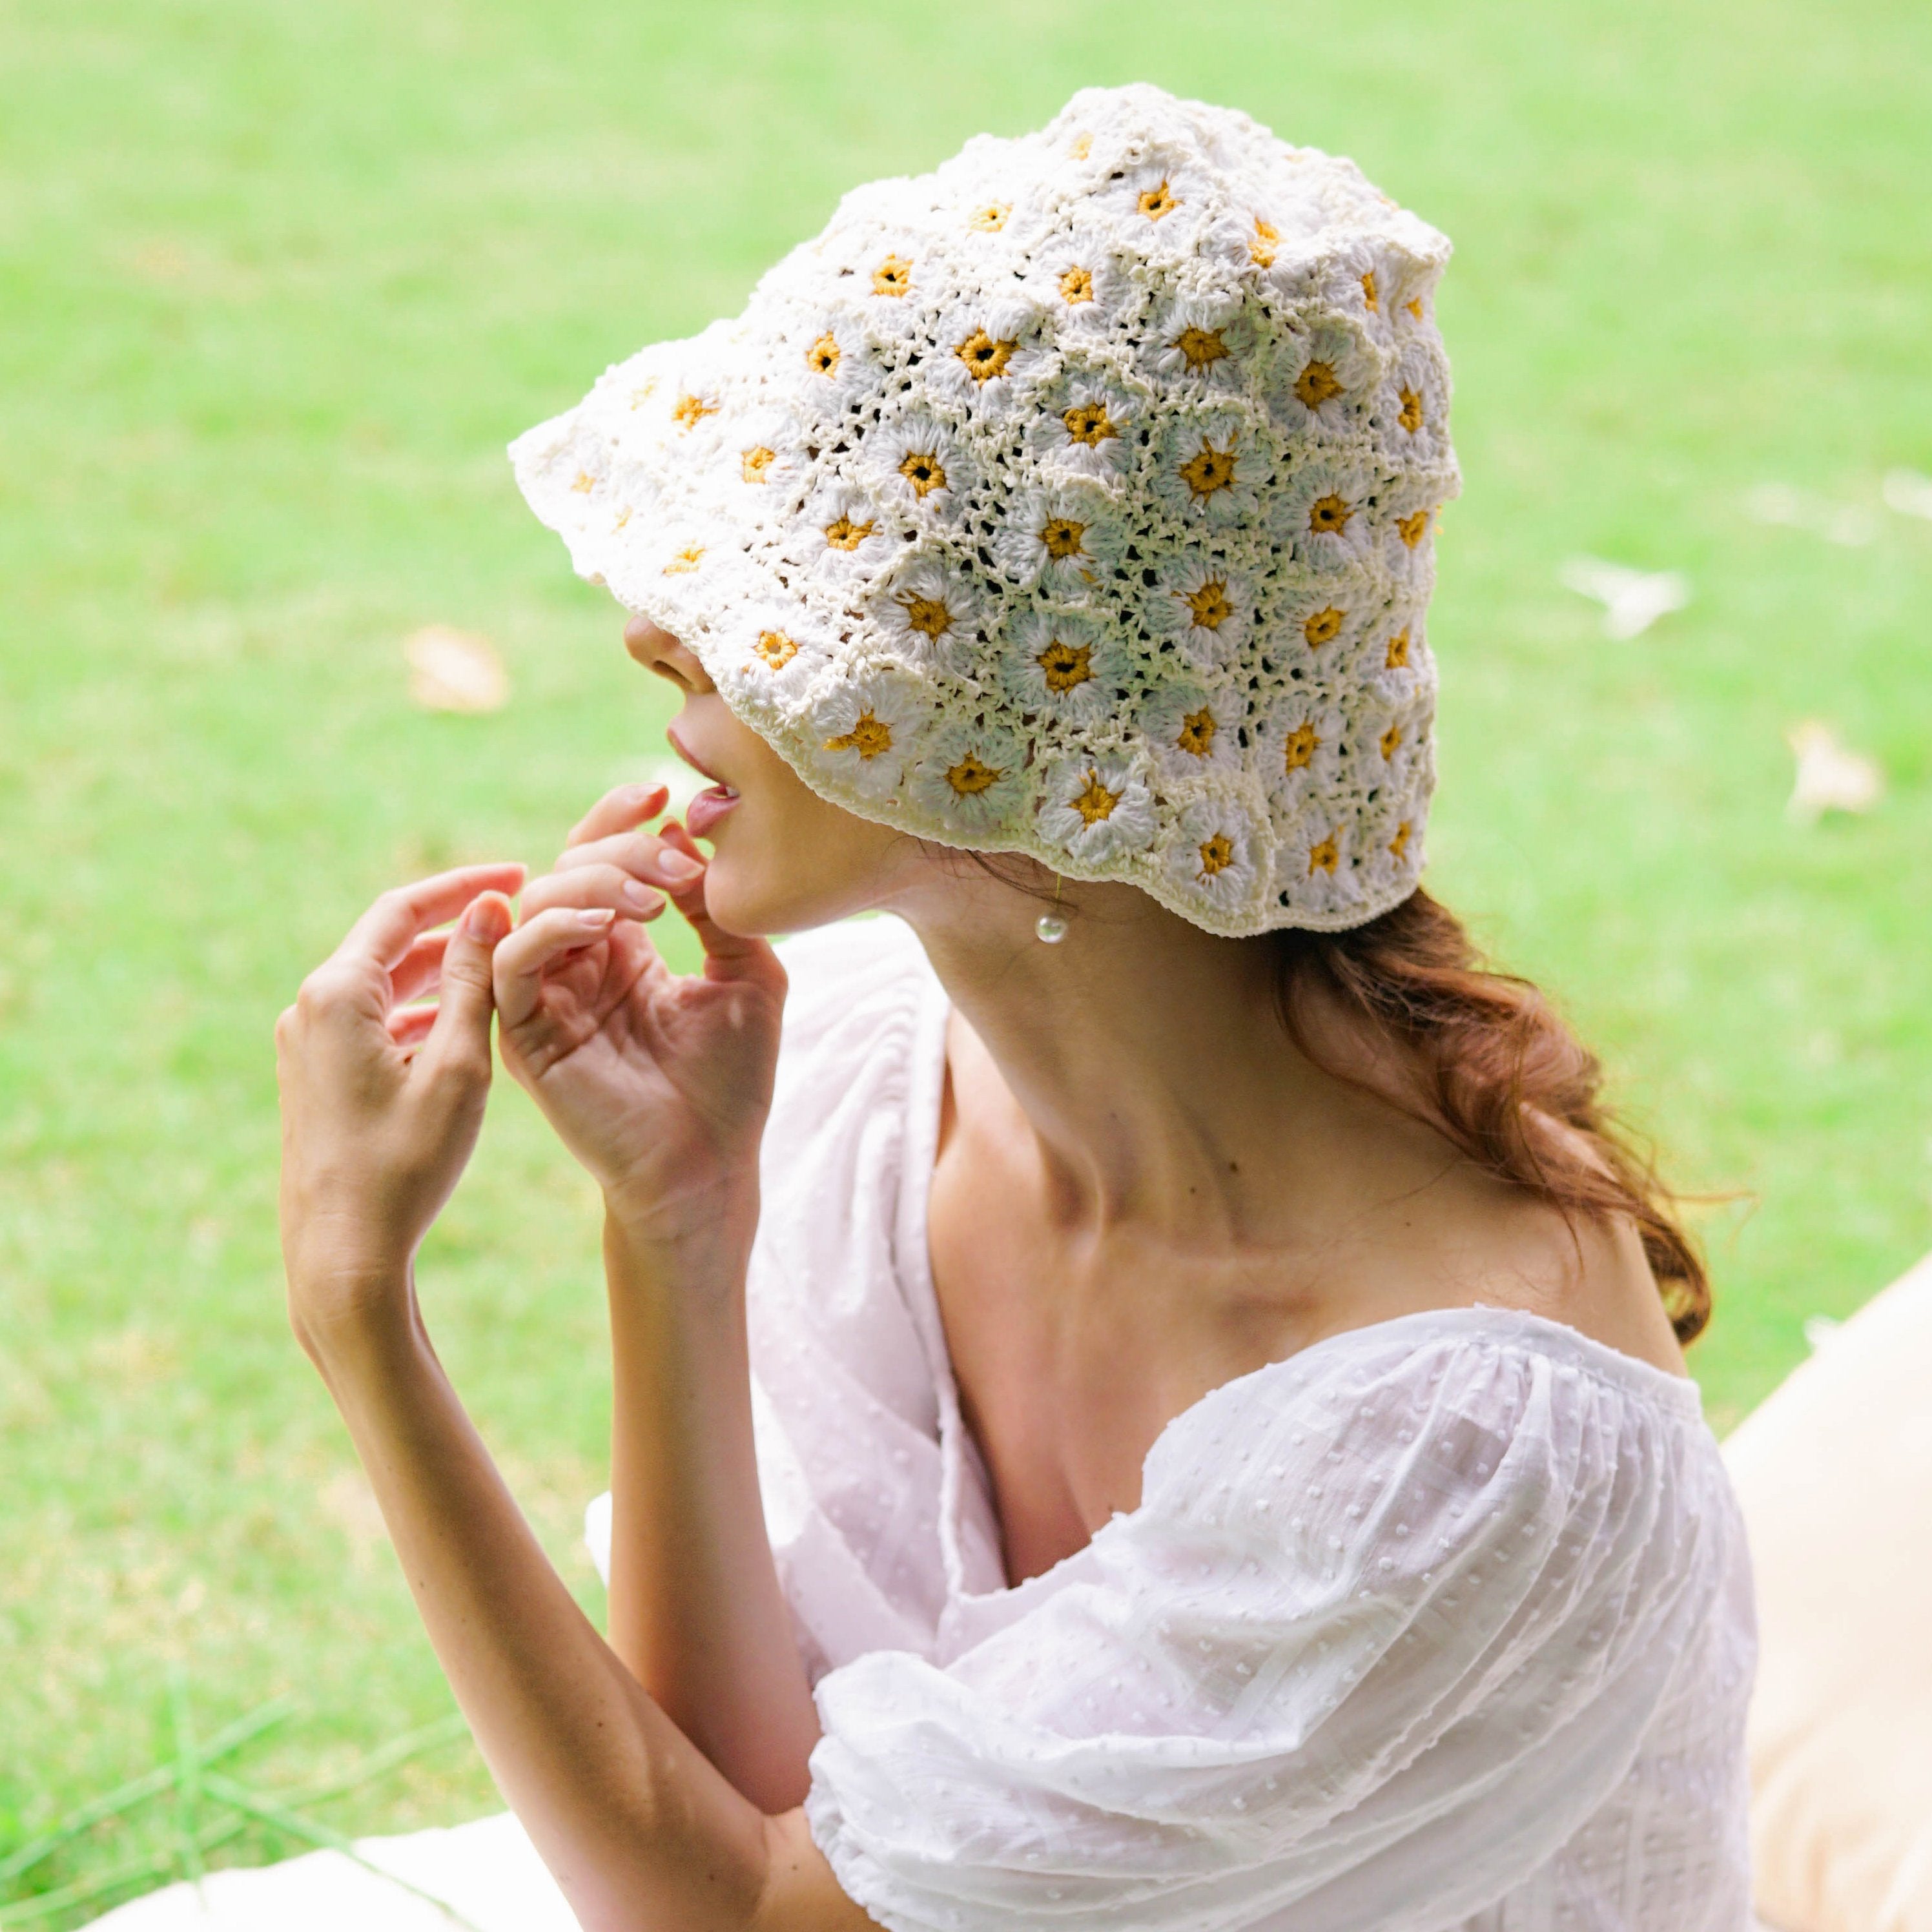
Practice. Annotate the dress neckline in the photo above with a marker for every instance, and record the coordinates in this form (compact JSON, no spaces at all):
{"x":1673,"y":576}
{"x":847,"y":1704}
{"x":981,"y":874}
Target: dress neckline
{"x":970,"y":1541}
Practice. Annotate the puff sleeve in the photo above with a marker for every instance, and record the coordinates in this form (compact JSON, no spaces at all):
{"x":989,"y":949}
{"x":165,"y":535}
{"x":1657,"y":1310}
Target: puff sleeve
{"x":1386,"y":1629}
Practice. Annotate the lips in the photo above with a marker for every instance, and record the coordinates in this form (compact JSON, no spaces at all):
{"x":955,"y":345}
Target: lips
{"x":705,"y":811}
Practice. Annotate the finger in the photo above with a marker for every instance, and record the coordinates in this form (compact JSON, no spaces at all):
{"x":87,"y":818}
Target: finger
{"x":592,"y":886}
{"x":458,"y":1040}
{"x":415,"y":973}
{"x":408,"y":1026}
{"x":728,"y":955}
{"x":386,"y":931}
{"x":642,"y":854}
{"x":619,"y":809}
{"x":520,"y":959}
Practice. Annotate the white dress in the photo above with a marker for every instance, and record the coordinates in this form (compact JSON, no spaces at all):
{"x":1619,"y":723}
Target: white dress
{"x":1445,"y":1622}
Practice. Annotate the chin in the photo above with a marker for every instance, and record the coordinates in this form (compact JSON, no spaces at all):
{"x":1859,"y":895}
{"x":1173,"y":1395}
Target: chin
{"x":815,"y":865}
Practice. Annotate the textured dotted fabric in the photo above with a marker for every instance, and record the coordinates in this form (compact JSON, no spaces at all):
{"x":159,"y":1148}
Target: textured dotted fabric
{"x":1076,"y":499}
{"x":1444,"y":1622}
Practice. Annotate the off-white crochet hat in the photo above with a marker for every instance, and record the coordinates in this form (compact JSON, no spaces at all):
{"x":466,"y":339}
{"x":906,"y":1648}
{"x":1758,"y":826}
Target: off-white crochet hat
{"x":1074,"y":500}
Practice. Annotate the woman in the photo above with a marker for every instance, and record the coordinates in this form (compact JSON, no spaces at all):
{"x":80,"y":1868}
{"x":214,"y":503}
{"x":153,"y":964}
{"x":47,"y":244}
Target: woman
{"x":1146,"y":1394}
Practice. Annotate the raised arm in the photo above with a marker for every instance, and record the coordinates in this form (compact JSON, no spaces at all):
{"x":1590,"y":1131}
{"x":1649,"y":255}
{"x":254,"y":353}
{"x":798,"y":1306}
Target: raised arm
{"x":381,"y":1105}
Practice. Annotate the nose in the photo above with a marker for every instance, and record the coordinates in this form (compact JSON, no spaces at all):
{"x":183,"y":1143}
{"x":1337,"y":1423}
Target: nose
{"x":658,"y":651}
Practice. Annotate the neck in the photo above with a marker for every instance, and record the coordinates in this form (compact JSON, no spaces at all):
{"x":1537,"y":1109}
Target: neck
{"x":1147,"y":1058}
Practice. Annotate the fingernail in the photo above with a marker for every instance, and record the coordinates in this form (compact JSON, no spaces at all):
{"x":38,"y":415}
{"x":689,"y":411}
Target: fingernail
{"x":640,"y":898}
{"x":486,"y":920}
{"x":678,"y":865}
{"x":595,"y":917}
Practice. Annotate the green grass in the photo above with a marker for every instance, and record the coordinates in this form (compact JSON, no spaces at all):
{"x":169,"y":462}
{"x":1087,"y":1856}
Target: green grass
{"x":277,"y":282}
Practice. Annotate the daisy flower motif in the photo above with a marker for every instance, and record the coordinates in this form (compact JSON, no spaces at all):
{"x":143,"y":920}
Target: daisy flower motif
{"x":1200,"y":345}
{"x":1392,"y":655}
{"x":846,"y":536}
{"x":1067,"y":537}
{"x":770,"y":658}
{"x":1096,"y":809}
{"x":1078,"y":281}
{"x":1405,"y":528}
{"x":1205,"y":603}
{"x":886,"y":280}
{"x":913,"y":462}
{"x":863,"y":727}
{"x":1320,"y":380}
{"x":1161,"y":207}
{"x":1392,"y":846}
{"x":1296,"y":750}
{"x":1317,"y":870}
{"x":838,"y":362}
{"x":1211,"y":469}
{"x":1065,"y":666}
{"x":764,"y":451}
{"x":1318,"y":624}
{"x":1191,"y":729}
{"x":988,"y":353}
{"x":930,"y":611}
{"x":1085,"y":425}
{"x":1327,"y":514}
{"x":1389,"y":739}
{"x":1355,"y":278}
{"x":1210,"y":860}
{"x":1411,"y":410}
{"x":971,"y":777}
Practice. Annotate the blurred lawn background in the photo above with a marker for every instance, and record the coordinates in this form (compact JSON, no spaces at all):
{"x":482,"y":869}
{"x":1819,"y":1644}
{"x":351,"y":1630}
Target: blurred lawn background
{"x":277,"y":282}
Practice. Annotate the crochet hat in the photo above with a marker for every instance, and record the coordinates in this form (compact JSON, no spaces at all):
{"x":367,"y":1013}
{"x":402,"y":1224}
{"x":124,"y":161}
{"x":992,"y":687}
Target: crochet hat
{"x":1075,"y":499}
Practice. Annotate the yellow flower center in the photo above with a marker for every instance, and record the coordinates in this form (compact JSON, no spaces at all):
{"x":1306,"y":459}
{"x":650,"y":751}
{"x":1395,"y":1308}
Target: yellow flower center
{"x":929,"y":615}
{"x":985,"y":358}
{"x":1217,"y":854}
{"x":1369,"y":292}
{"x":1063,"y":538}
{"x":991,"y":218}
{"x":1324,"y":627}
{"x":926,"y":473}
{"x":1410,"y":416}
{"x":1414,"y":305}
{"x":584,"y":483}
{"x":1328,"y":516}
{"x":1397,"y":656}
{"x":893,"y":277}
{"x":691,"y":410}
{"x":1413,"y":528}
{"x":1082,"y":146}
{"x":1390,"y":741}
{"x":822,"y":358}
{"x":623,"y":517}
{"x":1089,"y":423}
{"x":776,"y":649}
{"x":1316,"y":385}
{"x":1096,"y":802}
{"x":842,"y":533}
{"x":686,"y":559}
{"x":643,"y":392}
{"x":1398,"y":844}
{"x":970,"y":775}
{"x":1076,"y":285}
{"x":757,"y":462}
{"x":1197,"y":733}
{"x":1208,"y":469}
{"x":869,"y":737}
{"x":1303,"y":742}
{"x":1067,"y":666}
{"x":1324,"y":857}
{"x":1210,"y":606}
{"x":1159,"y":201}
{"x":1201,"y":347}
{"x":1261,"y":248}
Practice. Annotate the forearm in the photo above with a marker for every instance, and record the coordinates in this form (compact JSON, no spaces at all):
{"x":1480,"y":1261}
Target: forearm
{"x":639,"y":1828}
{"x":696,"y":1611}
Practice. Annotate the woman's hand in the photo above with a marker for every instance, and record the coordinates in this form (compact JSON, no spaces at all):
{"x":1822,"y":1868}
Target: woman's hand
{"x":658,"y":1082}
{"x":381,"y":1099}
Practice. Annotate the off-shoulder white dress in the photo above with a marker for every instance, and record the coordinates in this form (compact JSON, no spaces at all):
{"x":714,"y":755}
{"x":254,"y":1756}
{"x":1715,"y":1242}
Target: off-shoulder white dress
{"x":1445,"y":1622}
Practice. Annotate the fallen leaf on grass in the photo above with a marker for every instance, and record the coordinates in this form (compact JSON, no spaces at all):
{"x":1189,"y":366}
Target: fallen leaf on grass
{"x":1908,"y":493}
{"x":1850,"y":524}
{"x":455,"y":670}
{"x":1633,"y":600}
{"x":1830,"y":777}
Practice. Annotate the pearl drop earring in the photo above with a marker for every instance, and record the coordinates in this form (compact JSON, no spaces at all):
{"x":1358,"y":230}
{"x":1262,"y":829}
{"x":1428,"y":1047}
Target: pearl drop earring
{"x":1050,"y":929}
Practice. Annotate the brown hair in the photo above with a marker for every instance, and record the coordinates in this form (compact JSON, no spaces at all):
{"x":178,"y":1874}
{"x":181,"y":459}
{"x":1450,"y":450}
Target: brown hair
{"x":1494,"y":1060}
